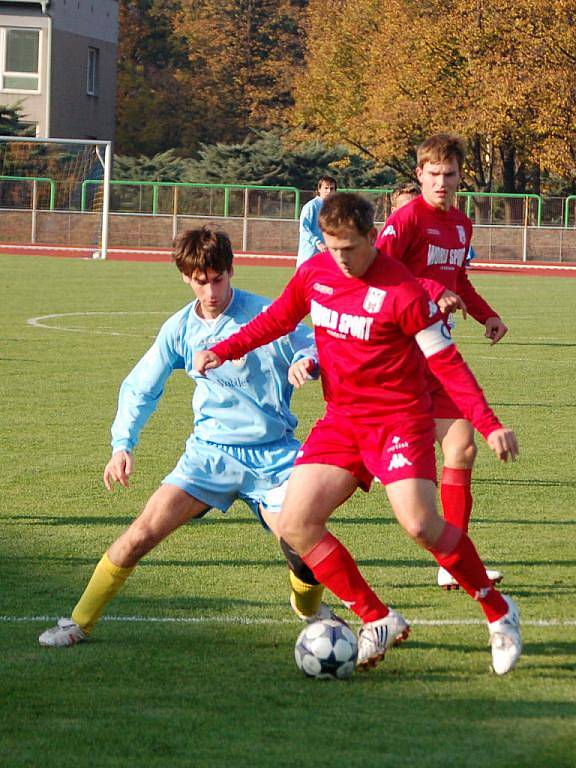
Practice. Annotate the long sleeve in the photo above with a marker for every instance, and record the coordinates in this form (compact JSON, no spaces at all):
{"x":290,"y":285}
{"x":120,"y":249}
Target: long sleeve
{"x":280,"y":318}
{"x":142,"y":389}
{"x":447,"y":365}
{"x":477,"y":307}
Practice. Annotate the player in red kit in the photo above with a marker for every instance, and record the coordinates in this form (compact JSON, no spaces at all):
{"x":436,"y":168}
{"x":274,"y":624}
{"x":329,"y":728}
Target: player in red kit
{"x":374,"y":325}
{"x":432,"y":238}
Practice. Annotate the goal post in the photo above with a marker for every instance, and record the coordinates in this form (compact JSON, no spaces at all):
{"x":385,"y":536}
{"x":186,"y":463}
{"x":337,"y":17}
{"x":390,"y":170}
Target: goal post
{"x":41,"y":192}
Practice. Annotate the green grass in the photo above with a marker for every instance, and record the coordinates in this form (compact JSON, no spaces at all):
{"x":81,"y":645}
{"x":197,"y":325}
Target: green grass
{"x":224,"y":693}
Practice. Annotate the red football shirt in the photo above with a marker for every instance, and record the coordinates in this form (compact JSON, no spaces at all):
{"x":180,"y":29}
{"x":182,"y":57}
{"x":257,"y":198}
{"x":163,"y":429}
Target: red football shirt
{"x":365,"y":331}
{"x":433,"y":244}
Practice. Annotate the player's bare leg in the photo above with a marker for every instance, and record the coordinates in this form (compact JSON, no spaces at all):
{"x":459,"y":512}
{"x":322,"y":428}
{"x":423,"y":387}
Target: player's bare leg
{"x":456,"y":438}
{"x":168,"y":508}
{"x":314,"y":492}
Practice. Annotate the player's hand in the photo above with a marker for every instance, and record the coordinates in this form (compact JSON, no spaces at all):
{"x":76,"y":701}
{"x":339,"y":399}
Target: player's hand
{"x":204,"y":361}
{"x":495,"y":330}
{"x":299,"y":373}
{"x":322,"y":247}
{"x":504,"y":444}
{"x":450,"y":302}
{"x":118,"y":469}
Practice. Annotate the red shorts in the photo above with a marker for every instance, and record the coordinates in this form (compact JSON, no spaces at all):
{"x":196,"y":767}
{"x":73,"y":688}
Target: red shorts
{"x":443,"y":407}
{"x":395,"y":450}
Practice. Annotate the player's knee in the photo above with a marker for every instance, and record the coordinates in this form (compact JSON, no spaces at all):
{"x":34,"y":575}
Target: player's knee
{"x":420,"y":531}
{"x":460,"y":453}
{"x":296,"y":564}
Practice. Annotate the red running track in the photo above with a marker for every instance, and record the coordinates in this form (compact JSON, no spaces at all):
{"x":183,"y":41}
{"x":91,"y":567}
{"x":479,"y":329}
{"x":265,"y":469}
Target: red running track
{"x":537,"y":268}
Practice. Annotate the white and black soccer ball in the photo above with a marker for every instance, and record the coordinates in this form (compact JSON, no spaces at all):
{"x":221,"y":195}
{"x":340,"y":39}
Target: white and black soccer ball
{"x":326,"y":649}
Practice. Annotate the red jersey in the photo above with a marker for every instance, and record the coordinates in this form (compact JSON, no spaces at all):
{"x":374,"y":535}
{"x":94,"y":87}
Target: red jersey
{"x":369,"y":332}
{"x":433,"y":244}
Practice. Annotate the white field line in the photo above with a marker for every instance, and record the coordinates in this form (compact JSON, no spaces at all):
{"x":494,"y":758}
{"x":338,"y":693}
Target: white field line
{"x":40,"y":322}
{"x":522,"y":266}
{"x":247,"y":620}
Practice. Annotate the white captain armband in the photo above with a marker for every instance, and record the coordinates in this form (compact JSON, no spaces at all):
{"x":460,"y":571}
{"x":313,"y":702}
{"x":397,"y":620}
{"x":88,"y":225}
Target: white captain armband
{"x":434,"y":339}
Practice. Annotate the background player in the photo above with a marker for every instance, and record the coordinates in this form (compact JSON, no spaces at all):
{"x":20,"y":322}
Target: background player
{"x":370,"y":315}
{"x":242,"y":446}
{"x":402,"y":194}
{"x":432,"y":238}
{"x":311,"y":238}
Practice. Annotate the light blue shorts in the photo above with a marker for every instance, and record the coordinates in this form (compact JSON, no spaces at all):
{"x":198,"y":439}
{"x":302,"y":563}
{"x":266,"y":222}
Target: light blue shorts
{"x":219,"y":474}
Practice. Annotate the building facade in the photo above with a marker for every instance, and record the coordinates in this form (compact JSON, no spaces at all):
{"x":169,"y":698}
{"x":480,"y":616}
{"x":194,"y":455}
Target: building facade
{"x":58,"y":64}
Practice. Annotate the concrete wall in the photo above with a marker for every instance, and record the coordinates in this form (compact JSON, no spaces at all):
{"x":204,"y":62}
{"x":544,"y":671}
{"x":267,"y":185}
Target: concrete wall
{"x":63,"y":109}
{"x":74,"y":113}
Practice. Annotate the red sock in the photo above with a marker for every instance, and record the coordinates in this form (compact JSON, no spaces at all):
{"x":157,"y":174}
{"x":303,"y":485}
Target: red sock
{"x":455,"y":551}
{"x":456,"y":496}
{"x":334,"y":567}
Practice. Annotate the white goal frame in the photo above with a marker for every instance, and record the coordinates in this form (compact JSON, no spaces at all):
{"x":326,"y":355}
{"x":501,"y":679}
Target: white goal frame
{"x":106,"y":162}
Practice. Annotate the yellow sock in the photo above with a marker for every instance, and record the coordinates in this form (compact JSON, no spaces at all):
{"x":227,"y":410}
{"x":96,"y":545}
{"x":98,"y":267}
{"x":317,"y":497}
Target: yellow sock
{"x":305,"y":598}
{"x":105,"y":583}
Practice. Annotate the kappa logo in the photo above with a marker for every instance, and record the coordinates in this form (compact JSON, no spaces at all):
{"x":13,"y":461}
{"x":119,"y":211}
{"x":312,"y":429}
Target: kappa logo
{"x":461,"y":233}
{"x":374,"y":300}
{"x":323,"y":289}
{"x":389,"y":231}
{"x":399,"y":461}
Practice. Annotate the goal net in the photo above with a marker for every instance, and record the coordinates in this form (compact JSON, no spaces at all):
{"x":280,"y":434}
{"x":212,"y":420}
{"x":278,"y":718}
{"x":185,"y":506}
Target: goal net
{"x":55,"y":193}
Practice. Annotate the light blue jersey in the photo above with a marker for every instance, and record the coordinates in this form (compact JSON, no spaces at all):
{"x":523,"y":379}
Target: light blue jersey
{"x":311,"y":236}
{"x":243,"y":444}
{"x":244,"y":402}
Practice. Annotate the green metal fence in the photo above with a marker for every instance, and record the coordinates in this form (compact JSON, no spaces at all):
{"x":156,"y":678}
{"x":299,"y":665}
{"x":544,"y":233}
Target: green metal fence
{"x":261,"y":201}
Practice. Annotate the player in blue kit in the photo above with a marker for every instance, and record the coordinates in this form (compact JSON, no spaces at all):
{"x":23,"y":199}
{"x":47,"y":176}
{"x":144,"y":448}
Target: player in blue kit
{"x":243,"y":444}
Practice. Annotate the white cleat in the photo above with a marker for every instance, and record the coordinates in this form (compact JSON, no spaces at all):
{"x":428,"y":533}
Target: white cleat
{"x":375,"y":637}
{"x":505,"y":639}
{"x":323,"y":612}
{"x":448,"y":582}
{"x":64,"y":634}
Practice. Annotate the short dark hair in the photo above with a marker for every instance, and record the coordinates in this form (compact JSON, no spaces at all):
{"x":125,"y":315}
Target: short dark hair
{"x":326,"y":180}
{"x":198,"y":250}
{"x":441,"y":147}
{"x":406,"y":188}
{"x":345,"y":208}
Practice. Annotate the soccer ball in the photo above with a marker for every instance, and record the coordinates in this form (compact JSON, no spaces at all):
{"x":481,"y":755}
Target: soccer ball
{"x":326,"y":650}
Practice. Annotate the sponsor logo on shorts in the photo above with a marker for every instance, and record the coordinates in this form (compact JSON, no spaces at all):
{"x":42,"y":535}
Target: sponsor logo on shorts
{"x":323,"y":289}
{"x":397,"y":444}
{"x":374,"y":300}
{"x":399,"y":461}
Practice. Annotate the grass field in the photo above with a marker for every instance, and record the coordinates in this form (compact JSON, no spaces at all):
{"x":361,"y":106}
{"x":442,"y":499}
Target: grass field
{"x":194,"y":664}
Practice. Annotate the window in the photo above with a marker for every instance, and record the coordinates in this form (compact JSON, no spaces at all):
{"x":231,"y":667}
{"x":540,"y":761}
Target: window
{"x":20,"y":59}
{"x":92,"y":72}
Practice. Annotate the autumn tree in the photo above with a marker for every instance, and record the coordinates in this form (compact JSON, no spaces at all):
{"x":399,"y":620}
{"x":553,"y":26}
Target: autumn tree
{"x":502,"y":76}
{"x":242,"y":55}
